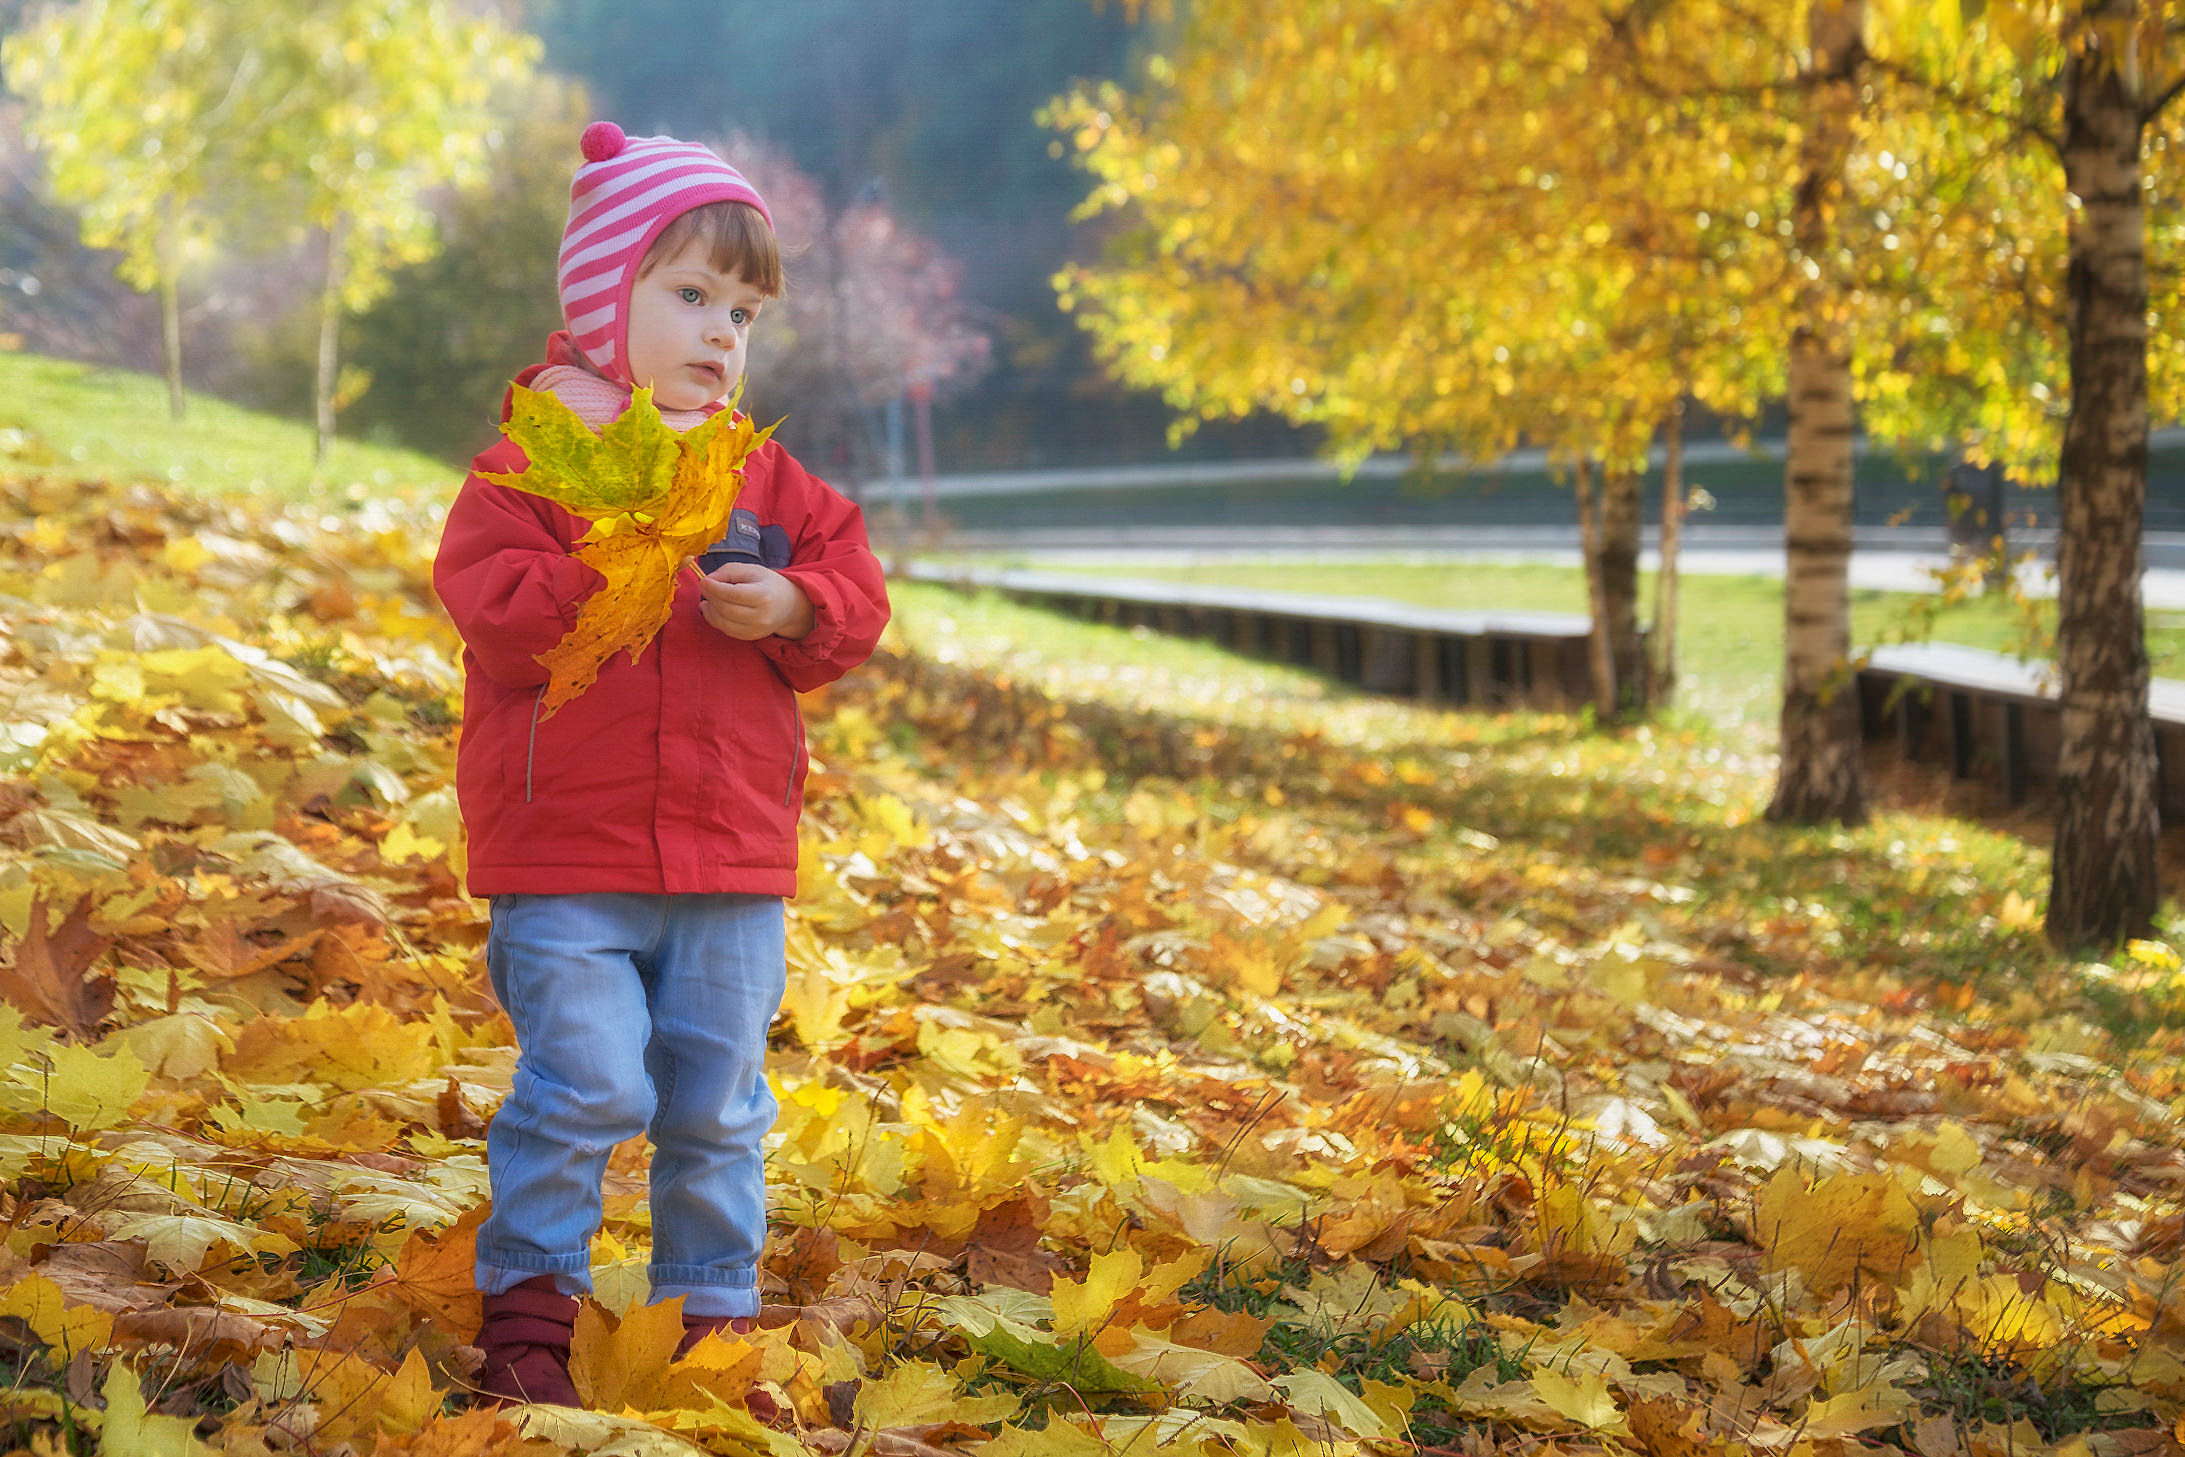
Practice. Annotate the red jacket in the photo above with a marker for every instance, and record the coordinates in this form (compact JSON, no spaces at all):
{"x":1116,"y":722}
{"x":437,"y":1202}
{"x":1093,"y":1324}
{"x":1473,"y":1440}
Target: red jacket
{"x":681,"y":773}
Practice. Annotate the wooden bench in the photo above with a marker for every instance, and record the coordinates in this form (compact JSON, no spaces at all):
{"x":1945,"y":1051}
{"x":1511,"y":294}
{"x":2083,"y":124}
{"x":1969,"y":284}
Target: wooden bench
{"x":1995,"y":718}
{"x":1480,"y":659}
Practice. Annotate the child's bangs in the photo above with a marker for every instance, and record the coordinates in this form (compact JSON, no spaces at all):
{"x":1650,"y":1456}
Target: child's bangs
{"x":736,"y":238}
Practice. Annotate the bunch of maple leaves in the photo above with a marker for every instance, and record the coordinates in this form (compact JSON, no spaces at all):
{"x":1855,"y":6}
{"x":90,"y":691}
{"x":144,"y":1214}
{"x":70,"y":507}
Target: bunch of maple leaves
{"x":1164,"y":1067}
{"x":655,"y":497}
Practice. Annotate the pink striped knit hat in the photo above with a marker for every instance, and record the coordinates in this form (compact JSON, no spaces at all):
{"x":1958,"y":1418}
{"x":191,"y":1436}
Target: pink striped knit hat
{"x":624,"y":193}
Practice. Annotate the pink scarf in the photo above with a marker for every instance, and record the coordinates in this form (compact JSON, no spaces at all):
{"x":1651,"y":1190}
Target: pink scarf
{"x":597,"y":401}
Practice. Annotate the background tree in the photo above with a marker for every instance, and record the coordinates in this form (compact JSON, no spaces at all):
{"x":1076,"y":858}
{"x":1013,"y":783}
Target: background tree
{"x":2121,"y":69}
{"x":2076,"y":102}
{"x":931,"y":105}
{"x":384,"y":100}
{"x":138,"y":106}
{"x":440,"y":346}
{"x":873,"y":310}
{"x":1820,"y":778}
{"x":1480,"y":251}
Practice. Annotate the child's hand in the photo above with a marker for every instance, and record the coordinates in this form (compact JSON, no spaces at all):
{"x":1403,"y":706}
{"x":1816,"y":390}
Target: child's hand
{"x":746,"y":601}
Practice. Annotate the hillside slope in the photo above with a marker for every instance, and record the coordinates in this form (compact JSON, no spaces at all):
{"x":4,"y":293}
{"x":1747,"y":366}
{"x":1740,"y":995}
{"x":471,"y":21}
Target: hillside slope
{"x":67,"y":419}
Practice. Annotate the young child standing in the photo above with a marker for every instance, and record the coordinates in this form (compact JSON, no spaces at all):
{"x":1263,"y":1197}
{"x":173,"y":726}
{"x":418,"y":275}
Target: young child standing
{"x":638,"y":844}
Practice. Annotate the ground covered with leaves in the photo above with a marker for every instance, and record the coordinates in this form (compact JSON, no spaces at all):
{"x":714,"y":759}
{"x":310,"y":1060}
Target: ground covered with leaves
{"x":1178,"y":1056}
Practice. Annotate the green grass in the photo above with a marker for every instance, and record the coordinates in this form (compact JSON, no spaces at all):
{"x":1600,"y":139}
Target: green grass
{"x":88,"y":422}
{"x":1544,"y":784}
{"x":1975,"y":1387}
{"x":1730,"y":629}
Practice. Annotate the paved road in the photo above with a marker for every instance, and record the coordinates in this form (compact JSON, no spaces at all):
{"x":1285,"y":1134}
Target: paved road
{"x":1897,"y":561}
{"x":1174,"y":474}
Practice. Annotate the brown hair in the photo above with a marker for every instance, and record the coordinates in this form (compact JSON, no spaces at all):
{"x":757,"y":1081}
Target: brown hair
{"x":737,"y":240}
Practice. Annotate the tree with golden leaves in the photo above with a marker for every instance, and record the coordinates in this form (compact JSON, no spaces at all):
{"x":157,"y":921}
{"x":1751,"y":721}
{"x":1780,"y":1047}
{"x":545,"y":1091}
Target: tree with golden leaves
{"x":141,"y":109}
{"x":2071,"y":109}
{"x":1418,"y":228}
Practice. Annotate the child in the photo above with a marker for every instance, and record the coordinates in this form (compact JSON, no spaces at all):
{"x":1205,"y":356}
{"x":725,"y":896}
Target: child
{"x":637,"y":845}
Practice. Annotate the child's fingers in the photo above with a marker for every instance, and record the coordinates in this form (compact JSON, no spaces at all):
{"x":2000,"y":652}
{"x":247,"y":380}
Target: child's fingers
{"x":743,"y":625}
{"x":737,"y":596}
{"x":733,"y":594}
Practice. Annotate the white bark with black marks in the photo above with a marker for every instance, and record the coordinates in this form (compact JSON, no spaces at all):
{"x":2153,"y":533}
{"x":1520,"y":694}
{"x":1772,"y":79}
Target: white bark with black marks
{"x":1600,"y":656}
{"x":1820,"y":780}
{"x":1618,"y":549}
{"x":170,"y":305}
{"x":2104,"y":886}
{"x":1663,"y":681}
{"x":322,"y":393}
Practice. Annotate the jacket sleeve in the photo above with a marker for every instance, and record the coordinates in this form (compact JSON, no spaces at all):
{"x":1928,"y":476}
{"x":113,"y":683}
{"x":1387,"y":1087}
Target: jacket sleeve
{"x":505,"y":574}
{"x":838,"y":574}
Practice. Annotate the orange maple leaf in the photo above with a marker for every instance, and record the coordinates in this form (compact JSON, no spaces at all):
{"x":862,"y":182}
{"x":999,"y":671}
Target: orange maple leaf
{"x":50,"y":976}
{"x":655,"y":499}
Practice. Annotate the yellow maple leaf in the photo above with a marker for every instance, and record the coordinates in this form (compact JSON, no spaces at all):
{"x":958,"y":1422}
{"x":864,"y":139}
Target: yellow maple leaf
{"x":1316,"y":1393}
{"x":1059,"y":1438}
{"x":1084,"y":1305}
{"x":358,"y":1397}
{"x":1115,"y":1162}
{"x":816,"y":1005}
{"x":1845,"y":1224}
{"x":406,"y":1400}
{"x":656,"y":498}
{"x":478,"y":1433}
{"x":624,"y":1365}
{"x":133,"y":1427}
{"x":41,"y":1305}
{"x":87,"y":1088}
{"x":1191,"y":1371}
{"x":919,"y":1393}
{"x":1877,"y":1404}
{"x":720,"y":1368}
{"x":1583,"y":1398}
{"x":181,"y":1241}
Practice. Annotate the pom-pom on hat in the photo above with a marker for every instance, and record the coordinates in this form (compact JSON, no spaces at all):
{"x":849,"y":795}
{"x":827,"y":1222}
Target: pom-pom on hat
{"x":625,"y":191}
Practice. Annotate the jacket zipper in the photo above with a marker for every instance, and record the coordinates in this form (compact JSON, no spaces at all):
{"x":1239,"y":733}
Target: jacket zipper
{"x":531,"y":750}
{"x":796,"y":763}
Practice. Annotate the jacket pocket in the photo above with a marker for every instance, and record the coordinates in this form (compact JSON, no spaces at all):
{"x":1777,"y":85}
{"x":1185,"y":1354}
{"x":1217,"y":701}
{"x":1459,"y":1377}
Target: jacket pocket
{"x":797,"y":762}
{"x":531,"y":744}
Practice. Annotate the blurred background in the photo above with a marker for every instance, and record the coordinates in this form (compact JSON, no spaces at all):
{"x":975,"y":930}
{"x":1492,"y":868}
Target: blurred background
{"x":895,"y":139}
{"x":1374,"y":293}
{"x":346,"y":213}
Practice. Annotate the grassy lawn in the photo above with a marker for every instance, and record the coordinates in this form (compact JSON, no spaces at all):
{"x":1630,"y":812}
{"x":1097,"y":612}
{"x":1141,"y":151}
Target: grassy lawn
{"x":1730,"y":630}
{"x":80,"y":420}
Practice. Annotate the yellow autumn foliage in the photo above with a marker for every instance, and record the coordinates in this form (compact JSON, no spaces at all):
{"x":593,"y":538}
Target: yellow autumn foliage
{"x":1123,"y":1103}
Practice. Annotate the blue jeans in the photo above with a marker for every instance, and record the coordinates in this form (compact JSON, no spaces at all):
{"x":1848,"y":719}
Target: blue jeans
{"x":635,"y":1014}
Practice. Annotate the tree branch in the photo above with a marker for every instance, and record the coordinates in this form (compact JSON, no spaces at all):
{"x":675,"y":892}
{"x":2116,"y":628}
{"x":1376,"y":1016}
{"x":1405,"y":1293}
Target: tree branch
{"x":2017,"y":122}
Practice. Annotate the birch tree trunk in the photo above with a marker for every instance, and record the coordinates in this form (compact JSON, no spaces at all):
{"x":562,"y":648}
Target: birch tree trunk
{"x":170,"y":305}
{"x":1618,"y":550}
{"x":1600,"y":657}
{"x":1664,"y":680}
{"x":322,"y":393}
{"x":2103,"y":885}
{"x":1819,"y":780}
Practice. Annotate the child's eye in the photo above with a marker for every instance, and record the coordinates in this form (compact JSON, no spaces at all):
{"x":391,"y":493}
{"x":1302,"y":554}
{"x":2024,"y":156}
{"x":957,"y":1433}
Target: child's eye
{"x":690,"y":295}
{"x":742,"y":317}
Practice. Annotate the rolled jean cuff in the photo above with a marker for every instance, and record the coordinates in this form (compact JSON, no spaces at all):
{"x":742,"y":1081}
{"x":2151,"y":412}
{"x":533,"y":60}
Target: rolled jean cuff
{"x":711,"y":1300}
{"x":496,"y":1275}
{"x":736,"y":1277}
{"x":707,"y":1289}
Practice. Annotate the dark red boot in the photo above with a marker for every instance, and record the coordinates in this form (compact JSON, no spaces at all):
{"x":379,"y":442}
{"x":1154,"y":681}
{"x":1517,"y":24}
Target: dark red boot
{"x":526,"y":1341}
{"x":697,"y":1327}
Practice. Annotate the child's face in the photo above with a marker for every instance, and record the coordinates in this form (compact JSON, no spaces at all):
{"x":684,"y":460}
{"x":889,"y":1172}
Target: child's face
{"x":689,"y":327}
